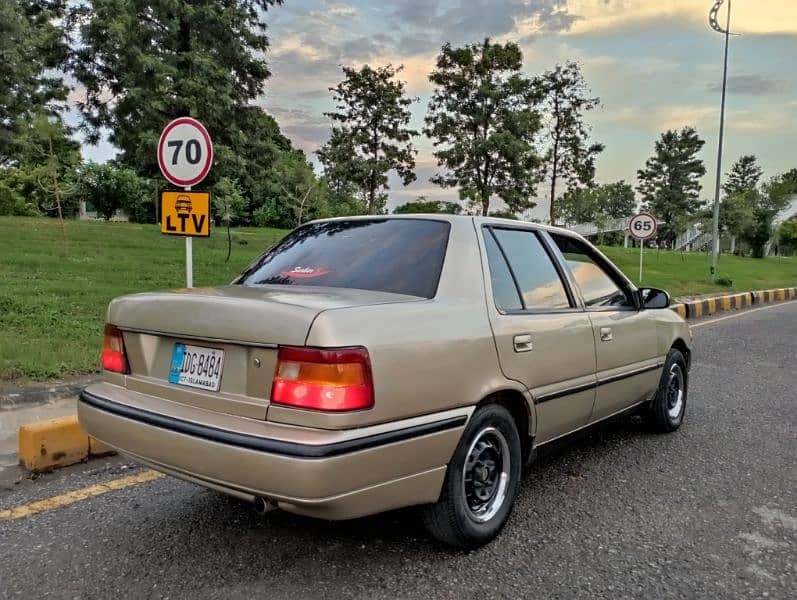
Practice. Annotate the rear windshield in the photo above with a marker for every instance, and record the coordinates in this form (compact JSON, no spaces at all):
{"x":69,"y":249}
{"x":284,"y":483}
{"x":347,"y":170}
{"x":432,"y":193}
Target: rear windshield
{"x":403,"y":256}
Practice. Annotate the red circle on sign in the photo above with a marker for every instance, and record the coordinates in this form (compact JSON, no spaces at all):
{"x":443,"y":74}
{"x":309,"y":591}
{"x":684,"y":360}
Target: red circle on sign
{"x":651,"y":233}
{"x":208,"y":160}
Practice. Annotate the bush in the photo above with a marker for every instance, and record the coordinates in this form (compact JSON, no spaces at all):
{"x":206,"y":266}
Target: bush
{"x":12,"y":203}
{"x":724,"y":281}
{"x":110,"y":188}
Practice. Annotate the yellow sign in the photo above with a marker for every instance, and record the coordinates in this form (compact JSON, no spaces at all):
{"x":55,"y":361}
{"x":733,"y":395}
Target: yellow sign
{"x":185,"y":213}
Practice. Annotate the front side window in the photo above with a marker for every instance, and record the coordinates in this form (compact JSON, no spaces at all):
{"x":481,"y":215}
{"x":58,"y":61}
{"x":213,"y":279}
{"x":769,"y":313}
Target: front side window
{"x":533,"y":270}
{"x":402,"y":256}
{"x":598,"y":288}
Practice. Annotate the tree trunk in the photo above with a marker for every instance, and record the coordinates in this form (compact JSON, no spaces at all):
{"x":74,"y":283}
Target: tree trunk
{"x":554,"y":175}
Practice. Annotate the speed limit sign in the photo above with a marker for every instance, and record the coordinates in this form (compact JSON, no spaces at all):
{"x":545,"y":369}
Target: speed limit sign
{"x":185,"y":152}
{"x":642,"y":226}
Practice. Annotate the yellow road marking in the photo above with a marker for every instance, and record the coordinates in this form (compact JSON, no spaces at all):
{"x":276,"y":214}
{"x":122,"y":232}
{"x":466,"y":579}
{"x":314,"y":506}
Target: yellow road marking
{"x":26,"y":510}
{"x":737,"y":316}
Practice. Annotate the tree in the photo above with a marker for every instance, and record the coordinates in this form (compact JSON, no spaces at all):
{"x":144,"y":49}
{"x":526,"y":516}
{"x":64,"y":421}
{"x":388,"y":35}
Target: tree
{"x":424,"y":206}
{"x":45,"y":156}
{"x":109,"y":188}
{"x":744,"y":175}
{"x":145,"y":63}
{"x":503,"y":213}
{"x":373,"y":135}
{"x":566,"y":97}
{"x":787,"y":236}
{"x":483,"y":120}
{"x":754,"y":210}
{"x":587,"y":205}
{"x":670,"y":182}
{"x":229,"y":205}
{"x":292,"y":194}
{"x":32,"y":46}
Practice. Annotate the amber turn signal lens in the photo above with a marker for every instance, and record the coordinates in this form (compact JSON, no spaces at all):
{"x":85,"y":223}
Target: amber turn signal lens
{"x":335,"y":380}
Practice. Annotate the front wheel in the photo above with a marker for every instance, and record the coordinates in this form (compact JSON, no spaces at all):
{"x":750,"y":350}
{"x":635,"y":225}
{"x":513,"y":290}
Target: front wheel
{"x":481,"y":481}
{"x":666,"y":411}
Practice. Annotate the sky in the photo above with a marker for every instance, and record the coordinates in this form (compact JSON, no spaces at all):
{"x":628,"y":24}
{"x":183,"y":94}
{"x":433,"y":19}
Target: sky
{"x":655,"y":64}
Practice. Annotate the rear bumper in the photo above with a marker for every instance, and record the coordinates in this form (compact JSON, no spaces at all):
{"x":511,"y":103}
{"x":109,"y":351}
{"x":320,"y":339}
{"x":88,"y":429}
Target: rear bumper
{"x":321,"y":473}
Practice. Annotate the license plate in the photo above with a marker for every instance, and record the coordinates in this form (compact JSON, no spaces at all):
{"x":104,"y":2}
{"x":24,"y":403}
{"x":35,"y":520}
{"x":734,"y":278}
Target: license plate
{"x":196,"y":367}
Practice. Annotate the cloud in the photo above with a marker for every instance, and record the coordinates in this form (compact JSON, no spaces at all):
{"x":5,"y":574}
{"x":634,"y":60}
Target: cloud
{"x":306,"y":129}
{"x":751,"y":85}
{"x":762,"y":17}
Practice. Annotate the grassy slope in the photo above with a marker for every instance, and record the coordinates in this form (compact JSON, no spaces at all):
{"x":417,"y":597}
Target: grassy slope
{"x":687,"y":273}
{"x":52,"y":305}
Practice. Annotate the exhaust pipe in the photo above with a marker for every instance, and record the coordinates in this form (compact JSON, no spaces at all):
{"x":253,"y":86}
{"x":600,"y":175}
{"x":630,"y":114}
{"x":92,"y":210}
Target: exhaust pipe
{"x":263,"y":506}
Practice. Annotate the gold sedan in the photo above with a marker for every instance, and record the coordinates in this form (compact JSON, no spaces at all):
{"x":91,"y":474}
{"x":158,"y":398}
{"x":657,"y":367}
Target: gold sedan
{"x":365,"y":364}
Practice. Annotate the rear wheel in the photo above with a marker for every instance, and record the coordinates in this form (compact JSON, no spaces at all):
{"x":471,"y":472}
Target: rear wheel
{"x":666,"y":411}
{"x":481,"y":481}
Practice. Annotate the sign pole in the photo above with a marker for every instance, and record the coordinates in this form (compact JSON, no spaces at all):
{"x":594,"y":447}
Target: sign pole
{"x":641,"y":251}
{"x":189,"y":256}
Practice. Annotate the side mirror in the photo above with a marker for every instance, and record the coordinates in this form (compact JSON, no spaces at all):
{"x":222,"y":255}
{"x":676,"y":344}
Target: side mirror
{"x":654,"y":298}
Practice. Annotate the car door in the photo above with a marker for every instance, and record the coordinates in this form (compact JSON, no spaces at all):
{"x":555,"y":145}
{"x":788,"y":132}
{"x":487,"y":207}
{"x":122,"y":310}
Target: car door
{"x":628,"y":365}
{"x":543,"y":337}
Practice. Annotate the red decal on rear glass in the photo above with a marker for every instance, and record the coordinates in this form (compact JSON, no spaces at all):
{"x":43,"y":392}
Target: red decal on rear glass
{"x":305,"y":272}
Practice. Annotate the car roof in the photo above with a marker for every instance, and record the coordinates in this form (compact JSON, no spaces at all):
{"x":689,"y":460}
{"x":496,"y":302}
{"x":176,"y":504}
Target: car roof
{"x":458,"y":218}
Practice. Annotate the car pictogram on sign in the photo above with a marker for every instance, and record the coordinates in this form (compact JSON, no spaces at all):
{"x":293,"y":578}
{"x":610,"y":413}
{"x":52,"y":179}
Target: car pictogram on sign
{"x":183,"y":204}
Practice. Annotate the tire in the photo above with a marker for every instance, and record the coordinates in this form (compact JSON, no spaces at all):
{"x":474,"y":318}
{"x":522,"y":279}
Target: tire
{"x":473,"y":509}
{"x":667,"y":409}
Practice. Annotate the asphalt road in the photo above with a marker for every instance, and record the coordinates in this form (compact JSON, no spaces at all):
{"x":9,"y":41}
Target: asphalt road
{"x":707,"y":512}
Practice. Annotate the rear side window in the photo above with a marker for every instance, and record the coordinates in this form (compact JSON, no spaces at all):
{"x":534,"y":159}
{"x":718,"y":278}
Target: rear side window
{"x":402,"y":256}
{"x":504,"y":290}
{"x":598,"y":287}
{"x":536,"y":277}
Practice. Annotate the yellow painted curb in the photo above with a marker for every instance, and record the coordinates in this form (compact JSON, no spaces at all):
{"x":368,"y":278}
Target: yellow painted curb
{"x":97,"y":448}
{"x":710,"y":306}
{"x":54,"y":443}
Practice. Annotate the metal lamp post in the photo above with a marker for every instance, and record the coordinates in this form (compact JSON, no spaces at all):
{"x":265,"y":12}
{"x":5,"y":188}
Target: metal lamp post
{"x":712,"y":21}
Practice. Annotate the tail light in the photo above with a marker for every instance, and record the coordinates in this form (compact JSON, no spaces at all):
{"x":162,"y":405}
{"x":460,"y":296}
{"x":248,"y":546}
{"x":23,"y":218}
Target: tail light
{"x":113,"y":350}
{"x":323,"y":379}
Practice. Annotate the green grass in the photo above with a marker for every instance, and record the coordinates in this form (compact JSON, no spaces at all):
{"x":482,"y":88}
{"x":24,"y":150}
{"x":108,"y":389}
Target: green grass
{"x":687,"y":273}
{"x":52,"y":303}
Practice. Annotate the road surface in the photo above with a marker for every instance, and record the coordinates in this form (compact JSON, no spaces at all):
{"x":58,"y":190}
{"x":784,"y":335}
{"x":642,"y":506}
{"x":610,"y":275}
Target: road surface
{"x":709,"y":512}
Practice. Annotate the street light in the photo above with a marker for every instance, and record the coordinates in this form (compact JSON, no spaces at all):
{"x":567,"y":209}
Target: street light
{"x":715,"y":239}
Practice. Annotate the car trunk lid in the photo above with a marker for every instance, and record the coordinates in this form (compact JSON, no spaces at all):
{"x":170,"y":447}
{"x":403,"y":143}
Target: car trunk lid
{"x":246,"y":323}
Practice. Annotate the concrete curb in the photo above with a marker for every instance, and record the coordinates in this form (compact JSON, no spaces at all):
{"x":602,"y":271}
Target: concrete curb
{"x":694,"y":309}
{"x":55,"y":443}
{"x":12,"y":396}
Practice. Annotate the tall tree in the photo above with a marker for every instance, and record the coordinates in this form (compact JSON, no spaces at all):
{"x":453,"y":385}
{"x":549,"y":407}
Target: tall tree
{"x":343,"y":173}
{"x":569,"y":157}
{"x":744,"y":175}
{"x":670,"y":182}
{"x":32,"y":46}
{"x":483,"y":120}
{"x":373,"y":136}
{"x":146,"y":62}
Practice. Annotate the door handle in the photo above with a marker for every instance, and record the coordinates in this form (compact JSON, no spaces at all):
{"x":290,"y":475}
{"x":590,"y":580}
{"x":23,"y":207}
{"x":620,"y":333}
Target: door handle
{"x":522,"y":343}
{"x":606,"y":334}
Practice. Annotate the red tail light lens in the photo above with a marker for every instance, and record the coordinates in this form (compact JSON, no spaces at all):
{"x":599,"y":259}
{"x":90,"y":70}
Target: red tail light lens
{"x":113,"y":350}
{"x":323,"y":379}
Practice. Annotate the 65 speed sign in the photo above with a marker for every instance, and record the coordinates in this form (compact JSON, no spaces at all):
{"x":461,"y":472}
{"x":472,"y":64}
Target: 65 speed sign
{"x":185,"y":152}
{"x":642,"y":226}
